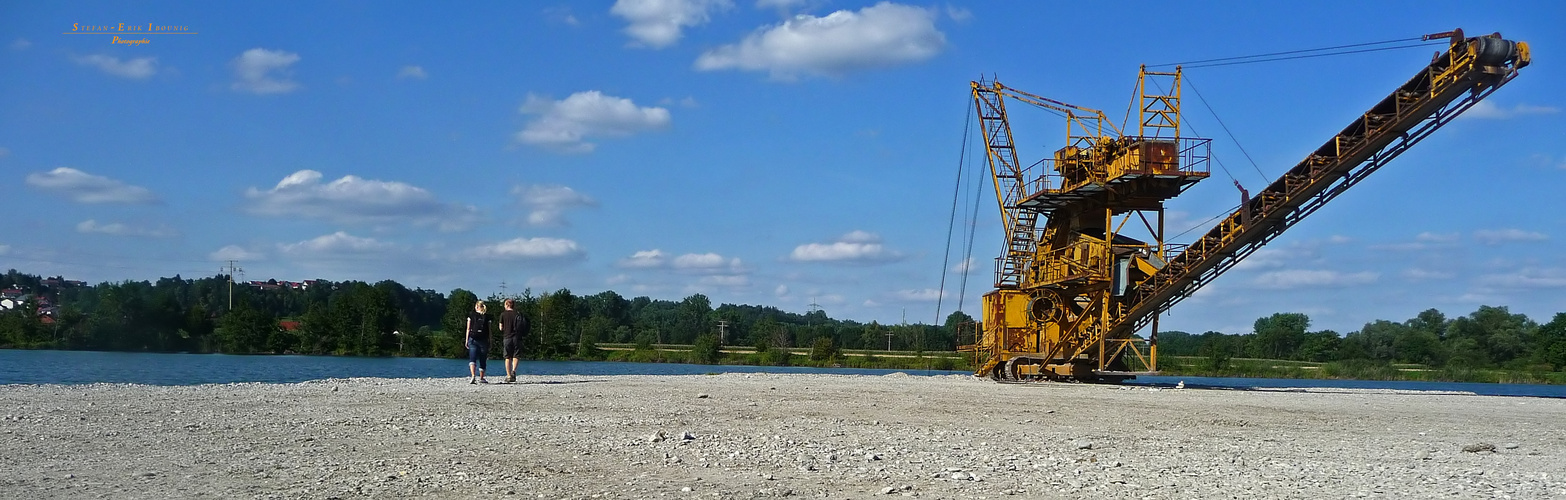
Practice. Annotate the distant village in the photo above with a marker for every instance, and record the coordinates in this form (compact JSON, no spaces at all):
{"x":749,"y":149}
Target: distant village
{"x":46,"y":299}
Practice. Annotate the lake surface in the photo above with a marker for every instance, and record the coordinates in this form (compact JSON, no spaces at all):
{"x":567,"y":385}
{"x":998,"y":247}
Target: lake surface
{"x":89,"y":367}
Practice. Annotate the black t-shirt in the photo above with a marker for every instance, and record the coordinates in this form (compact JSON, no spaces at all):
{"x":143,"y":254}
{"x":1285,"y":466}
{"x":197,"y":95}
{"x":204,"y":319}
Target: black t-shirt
{"x":478,"y":326}
{"x":513,"y":325}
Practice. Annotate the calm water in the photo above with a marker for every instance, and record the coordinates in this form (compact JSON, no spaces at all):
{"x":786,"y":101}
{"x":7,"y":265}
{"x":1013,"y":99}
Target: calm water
{"x":87,"y":367}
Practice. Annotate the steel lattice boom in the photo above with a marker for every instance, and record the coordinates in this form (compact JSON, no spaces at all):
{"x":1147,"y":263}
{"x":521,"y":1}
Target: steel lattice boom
{"x":1071,"y":296}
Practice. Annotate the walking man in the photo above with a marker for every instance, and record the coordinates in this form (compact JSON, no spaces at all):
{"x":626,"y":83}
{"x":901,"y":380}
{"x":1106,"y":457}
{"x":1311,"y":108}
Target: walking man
{"x":514,"y":328}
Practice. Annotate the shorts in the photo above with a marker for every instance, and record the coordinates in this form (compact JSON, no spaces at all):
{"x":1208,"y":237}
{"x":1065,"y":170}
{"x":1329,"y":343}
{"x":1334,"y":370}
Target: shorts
{"x":513,"y":348}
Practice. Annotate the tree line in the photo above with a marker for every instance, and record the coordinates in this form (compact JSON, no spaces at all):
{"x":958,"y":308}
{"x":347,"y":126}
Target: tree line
{"x":388,"y":319}
{"x":1490,"y":337}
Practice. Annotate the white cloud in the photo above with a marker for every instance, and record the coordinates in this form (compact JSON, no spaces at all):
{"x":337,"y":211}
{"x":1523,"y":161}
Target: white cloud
{"x":355,"y":200}
{"x":139,"y":68}
{"x":882,"y":35}
{"x":562,"y":15}
{"x":687,"y":102}
{"x":658,"y":23}
{"x":919,"y":295}
{"x":235,"y":252}
{"x":527,"y":249}
{"x":728,"y":280}
{"x":1510,"y":235}
{"x":1527,"y":279}
{"x":857,"y":246}
{"x":781,"y":291}
{"x":1303,"y":278}
{"x":645,"y":259}
{"x":338,"y":243}
{"x":549,"y":202}
{"x":261,"y":71}
{"x":1430,"y":237}
{"x":618,"y":279}
{"x":414,"y":72}
{"x":566,"y":124}
{"x":705,"y":262}
{"x":121,"y":229}
{"x":21,"y":44}
{"x":1486,"y":110}
{"x":1417,"y":274}
{"x":83,"y":187}
{"x":963,"y":267}
{"x":779,"y":4}
{"x":1424,"y":241}
{"x":958,"y":14}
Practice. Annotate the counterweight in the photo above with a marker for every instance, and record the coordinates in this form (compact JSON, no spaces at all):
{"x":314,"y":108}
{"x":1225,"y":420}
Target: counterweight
{"x":1070,"y":297}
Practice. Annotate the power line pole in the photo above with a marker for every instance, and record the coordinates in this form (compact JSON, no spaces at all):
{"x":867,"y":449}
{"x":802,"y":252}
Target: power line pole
{"x":233,"y":267}
{"x":503,"y":289}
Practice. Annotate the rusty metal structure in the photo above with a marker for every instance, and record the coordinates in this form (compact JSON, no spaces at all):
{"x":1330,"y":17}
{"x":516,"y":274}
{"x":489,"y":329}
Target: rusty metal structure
{"x":1072,"y":293}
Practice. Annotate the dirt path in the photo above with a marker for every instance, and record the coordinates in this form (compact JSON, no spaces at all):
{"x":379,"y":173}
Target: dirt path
{"x":766,"y":436}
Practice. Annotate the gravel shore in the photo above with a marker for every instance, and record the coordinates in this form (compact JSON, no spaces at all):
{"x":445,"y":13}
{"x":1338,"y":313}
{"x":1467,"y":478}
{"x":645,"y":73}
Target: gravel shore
{"x":768,"y":436}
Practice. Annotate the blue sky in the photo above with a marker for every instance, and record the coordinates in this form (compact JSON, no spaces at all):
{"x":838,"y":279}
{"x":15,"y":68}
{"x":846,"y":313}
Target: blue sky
{"x":771,"y":152}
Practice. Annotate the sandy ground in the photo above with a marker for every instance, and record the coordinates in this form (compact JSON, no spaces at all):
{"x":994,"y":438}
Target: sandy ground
{"x":767,"y":436}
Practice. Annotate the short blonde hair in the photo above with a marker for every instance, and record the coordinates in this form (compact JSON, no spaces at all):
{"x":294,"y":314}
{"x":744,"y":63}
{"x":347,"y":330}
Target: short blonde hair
{"x":480,"y":307}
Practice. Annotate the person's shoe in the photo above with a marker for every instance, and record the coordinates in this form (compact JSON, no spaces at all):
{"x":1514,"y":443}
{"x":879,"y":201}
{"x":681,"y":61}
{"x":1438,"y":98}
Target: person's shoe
{"x":472,"y":381}
{"x":511,"y":380}
{"x":483,"y":381}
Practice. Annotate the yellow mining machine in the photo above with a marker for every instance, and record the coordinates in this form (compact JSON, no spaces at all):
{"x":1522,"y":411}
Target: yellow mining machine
{"x":1070,"y":296}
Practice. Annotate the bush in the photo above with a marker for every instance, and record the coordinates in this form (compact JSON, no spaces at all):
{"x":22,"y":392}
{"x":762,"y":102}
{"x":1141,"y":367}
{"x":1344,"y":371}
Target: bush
{"x":644,"y":342}
{"x":587,"y":347}
{"x":763,"y":344}
{"x":705,"y":351}
{"x":823,"y":349}
{"x":775,"y":357}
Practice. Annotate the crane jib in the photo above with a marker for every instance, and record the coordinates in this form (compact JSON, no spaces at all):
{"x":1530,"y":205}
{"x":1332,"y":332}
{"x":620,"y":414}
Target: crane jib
{"x":1452,"y":83}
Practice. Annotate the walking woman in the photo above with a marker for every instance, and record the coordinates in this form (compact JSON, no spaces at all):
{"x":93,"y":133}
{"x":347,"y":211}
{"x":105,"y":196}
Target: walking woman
{"x":477,"y":341}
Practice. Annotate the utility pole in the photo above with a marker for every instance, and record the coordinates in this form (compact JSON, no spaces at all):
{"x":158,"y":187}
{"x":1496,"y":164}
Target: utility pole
{"x":233,"y":267}
{"x":723,"y":331}
{"x":503,"y":289}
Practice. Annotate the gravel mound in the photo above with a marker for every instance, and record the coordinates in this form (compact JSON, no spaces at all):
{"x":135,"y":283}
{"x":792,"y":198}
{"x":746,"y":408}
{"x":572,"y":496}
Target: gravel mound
{"x":742,"y":436}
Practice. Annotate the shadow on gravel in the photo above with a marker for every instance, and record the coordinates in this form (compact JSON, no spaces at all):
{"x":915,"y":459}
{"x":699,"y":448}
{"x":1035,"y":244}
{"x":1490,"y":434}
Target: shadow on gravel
{"x":557,"y":382}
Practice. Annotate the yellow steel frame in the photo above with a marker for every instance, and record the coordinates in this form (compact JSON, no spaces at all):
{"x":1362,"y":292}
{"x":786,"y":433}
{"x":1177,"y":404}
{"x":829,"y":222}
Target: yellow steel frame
{"x":1100,"y":289}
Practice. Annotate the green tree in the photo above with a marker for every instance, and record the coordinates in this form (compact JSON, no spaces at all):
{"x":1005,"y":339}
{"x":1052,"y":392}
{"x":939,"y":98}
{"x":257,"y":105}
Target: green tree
{"x":823,"y":349}
{"x":1551,"y":347}
{"x":1320,"y":346}
{"x":1279,"y":336}
{"x":706,"y":350}
{"x":245,"y":329}
{"x":1500,"y":335}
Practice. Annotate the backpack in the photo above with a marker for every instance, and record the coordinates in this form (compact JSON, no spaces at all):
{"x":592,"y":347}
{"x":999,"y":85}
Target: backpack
{"x":480,"y":324}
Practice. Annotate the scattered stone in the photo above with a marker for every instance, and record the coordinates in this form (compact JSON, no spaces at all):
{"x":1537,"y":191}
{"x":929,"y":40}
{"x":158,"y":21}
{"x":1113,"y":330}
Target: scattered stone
{"x":1479,"y":447}
{"x":1084,"y":445}
{"x":1510,"y":446}
{"x":657,"y":437}
{"x":687,"y":436}
{"x":701,"y":396}
{"x":888,"y":490}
